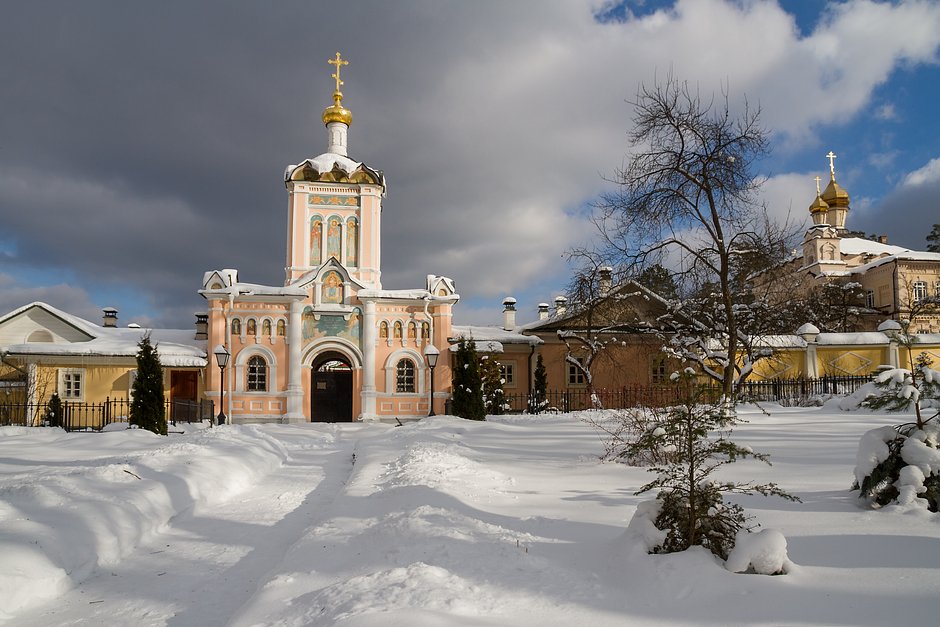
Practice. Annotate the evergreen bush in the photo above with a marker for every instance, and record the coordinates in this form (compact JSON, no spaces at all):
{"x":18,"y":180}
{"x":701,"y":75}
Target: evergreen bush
{"x":467,"y":383}
{"x":539,"y":399}
{"x":147,"y":407}
{"x":54,"y":411}
{"x":902,"y":463}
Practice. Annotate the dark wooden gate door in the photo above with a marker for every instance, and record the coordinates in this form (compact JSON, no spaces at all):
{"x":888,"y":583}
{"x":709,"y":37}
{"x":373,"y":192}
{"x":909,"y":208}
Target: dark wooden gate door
{"x":332,"y":396}
{"x":183,"y":387}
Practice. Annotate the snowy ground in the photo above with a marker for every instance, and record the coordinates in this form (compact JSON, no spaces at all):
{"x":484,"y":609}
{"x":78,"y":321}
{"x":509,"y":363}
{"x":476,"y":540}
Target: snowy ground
{"x":443,"y":522}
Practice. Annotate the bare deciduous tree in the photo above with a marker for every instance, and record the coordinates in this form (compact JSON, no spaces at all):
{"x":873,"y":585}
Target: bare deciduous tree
{"x":688,"y":198}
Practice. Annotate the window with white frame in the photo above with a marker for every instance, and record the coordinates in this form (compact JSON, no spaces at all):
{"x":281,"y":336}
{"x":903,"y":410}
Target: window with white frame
{"x":72,"y":383}
{"x":576,"y":374}
{"x":936,"y":289}
{"x":405,"y":376}
{"x":507,"y":372}
{"x":870,"y":299}
{"x":919,"y":291}
{"x":257,"y":374}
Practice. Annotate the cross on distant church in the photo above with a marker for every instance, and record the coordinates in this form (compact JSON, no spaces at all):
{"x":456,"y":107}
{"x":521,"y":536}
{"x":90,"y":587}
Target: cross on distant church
{"x":338,"y":62}
{"x":817,"y":186}
{"x":831,"y":156}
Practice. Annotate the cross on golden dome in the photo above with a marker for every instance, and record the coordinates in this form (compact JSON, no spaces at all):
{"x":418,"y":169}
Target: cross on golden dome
{"x":832,"y":166}
{"x":818,"y":191}
{"x":338,"y":62}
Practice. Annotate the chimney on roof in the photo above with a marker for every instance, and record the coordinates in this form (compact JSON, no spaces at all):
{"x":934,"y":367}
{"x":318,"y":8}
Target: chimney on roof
{"x":543,"y":311}
{"x":882,"y":239}
{"x":109,"y":319}
{"x":561,"y":304}
{"x":202,"y":326}
{"x":509,"y":313}
{"x":604,"y":280}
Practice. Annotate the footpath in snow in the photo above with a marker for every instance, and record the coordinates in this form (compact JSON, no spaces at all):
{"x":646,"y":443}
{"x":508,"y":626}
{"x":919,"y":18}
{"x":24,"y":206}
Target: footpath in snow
{"x":444,"y":522}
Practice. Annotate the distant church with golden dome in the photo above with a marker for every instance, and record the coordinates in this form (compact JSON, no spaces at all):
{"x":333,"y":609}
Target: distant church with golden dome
{"x":894,"y":281}
{"x":330,"y":344}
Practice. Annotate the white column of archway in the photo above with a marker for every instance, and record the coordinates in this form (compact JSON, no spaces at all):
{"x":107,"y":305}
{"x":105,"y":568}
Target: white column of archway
{"x":368,"y":361}
{"x":295,"y":390}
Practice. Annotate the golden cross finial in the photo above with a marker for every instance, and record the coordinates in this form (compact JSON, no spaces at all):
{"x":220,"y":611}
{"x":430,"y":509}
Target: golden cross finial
{"x":818,"y":192}
{"x":338,"y":62}
{"x":832,"y":166}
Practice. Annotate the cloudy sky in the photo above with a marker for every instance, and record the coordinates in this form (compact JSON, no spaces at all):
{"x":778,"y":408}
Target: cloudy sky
{"x":142,"y":144}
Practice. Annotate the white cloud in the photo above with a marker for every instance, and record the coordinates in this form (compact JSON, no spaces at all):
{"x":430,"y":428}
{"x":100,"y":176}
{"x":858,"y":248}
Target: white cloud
{"x":928,"y":174}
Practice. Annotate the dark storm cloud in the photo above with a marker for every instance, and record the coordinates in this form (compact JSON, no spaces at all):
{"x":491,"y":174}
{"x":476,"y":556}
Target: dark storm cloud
{"x":909,"y":212}
{"x":142,"y":144}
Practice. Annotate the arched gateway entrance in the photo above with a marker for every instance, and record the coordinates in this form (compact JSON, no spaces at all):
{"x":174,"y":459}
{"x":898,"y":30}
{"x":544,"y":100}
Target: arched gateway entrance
{"x":331,"y":388}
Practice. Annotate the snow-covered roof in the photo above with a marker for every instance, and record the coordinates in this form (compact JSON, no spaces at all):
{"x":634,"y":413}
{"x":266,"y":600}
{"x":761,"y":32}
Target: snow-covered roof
{"x":860,"y":246}
{"x":492,"y":334}
{"x":865,"y":337}
{"x":405,"y":295}
{"x":255,"y":289}
{"x":329,"y":161}
{"x":176,"y":347}
{"x":481,"y":346}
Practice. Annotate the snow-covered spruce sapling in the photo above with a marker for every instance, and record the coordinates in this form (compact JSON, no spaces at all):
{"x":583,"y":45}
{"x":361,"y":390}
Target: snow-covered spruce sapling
{"x":902,"y":463}
{"x":693,"y":511}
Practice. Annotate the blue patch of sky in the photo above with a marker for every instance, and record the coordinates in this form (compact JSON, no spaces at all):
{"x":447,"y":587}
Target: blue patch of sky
{"x":622,"y":11}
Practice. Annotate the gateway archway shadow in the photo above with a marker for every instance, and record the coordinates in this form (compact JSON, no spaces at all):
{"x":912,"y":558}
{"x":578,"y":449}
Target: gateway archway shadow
{"x":331,"y":388}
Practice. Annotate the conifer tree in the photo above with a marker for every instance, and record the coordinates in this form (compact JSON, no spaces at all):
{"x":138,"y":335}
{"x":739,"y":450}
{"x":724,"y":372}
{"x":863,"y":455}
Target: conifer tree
{"x":493,"y":394}
{"x":891,"y":460}
{"x":539,"y":398}
{"x":467,"y":383}
{"x":147,"y":409}
{"x":54,"y":410}
{"x":693,"y":438}
{"x":933,"y":239}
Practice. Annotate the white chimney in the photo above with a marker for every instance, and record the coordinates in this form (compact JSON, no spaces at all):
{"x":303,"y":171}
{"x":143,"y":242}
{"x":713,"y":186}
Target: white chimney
{"x":509,"y":313}
{"x":543,"y":311}
{"x":604,"y":280}
{"x":561,"y":304}
{"x":109,"y":319}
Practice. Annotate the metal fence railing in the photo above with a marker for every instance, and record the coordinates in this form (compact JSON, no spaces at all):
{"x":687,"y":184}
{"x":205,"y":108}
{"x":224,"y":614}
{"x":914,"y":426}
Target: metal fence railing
{"x":96,"y":416}
{"x":786,"y":391}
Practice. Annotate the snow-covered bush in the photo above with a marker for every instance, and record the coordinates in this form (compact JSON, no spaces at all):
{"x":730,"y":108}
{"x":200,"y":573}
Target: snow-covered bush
{"x":763,"y":553}
{"x":902,"y":464}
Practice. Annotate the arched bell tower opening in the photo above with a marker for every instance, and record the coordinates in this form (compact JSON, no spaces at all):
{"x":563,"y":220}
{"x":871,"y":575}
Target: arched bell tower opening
{"x":331,"y":385}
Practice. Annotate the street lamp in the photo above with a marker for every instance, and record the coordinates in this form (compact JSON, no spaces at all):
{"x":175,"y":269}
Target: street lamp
{"x":431,"y":354}
{"x":221,"y":356}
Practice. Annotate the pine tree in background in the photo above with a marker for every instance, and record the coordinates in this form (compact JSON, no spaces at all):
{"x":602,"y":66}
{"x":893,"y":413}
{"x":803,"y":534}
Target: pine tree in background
{"x":467,"y":383}
{"x":147,"y":408}
{"x":539,"y":399}
{"x":933,"y":239}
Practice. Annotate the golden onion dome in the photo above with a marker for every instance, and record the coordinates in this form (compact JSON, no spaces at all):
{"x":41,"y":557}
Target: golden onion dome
{"x":835,"y":195}
{"x":819,"y":205}
{"x":337,"y":112}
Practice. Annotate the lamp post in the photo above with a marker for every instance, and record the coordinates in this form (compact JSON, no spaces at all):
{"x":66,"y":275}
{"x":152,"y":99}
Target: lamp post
{"x":221,"y":356}
{"x":431,"y":354}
